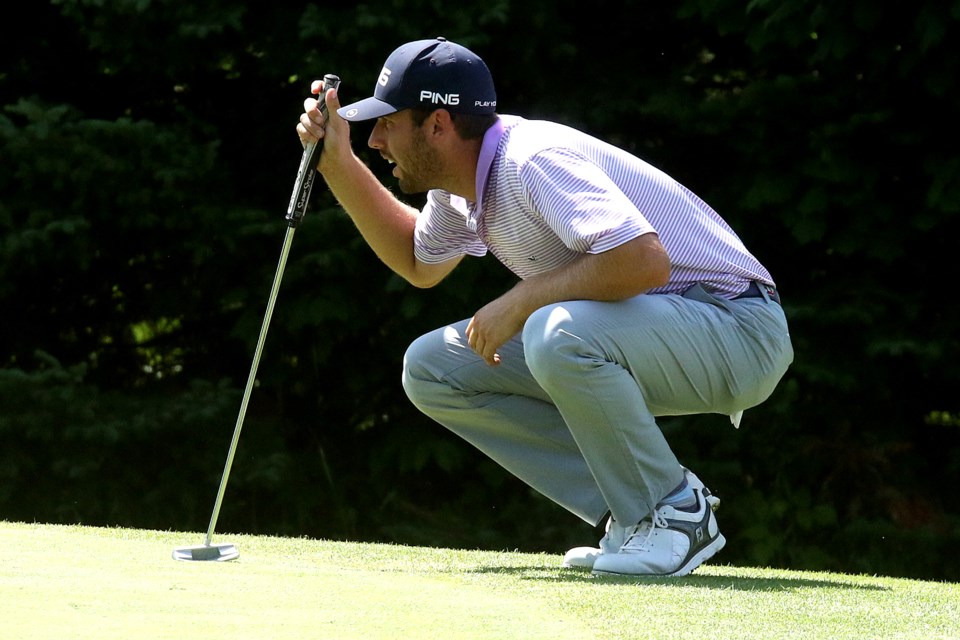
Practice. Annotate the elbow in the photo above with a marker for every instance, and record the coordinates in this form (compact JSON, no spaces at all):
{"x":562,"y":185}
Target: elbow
{"x":426,"y":280}
{"x":659,"y":266}
{"x":425,"y":276}
{"x":656,"y":269}
{"x":652,"y":279}
{"x":661,"y":275}
{"x":646,"y":259}
{"x":423,"y":284}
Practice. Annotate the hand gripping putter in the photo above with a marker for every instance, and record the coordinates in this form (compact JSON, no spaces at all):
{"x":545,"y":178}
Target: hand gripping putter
{"x":295,"y":212}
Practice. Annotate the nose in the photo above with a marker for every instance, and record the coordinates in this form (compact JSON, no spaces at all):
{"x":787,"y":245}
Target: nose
{"x":375,"y":141}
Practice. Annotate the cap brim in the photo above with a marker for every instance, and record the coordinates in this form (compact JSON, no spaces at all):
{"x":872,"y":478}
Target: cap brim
{"x":366,"y":110}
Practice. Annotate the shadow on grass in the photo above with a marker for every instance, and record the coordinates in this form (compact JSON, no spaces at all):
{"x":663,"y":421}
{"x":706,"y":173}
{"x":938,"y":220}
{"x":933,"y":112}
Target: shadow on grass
{"x":722,"y":582}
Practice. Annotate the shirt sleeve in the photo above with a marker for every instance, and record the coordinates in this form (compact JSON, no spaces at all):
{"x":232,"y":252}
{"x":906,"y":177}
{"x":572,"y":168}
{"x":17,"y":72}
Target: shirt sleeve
{"x":580,"y":202}
{"x":442,"y":232}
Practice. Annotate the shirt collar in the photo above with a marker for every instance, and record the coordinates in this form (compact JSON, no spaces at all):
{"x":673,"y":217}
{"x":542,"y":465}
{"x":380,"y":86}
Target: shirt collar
{"x":491,"y":140}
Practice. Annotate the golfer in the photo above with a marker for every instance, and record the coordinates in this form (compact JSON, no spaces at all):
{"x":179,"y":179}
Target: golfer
{"x":634,"y":300}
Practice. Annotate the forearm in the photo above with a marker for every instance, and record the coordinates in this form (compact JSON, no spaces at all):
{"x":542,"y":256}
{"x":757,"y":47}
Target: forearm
{"x":622,"y":272}
{"x":385,"y":222}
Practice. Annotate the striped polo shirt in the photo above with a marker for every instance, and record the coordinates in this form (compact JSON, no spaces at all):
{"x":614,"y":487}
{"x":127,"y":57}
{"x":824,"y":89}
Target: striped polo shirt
{"x":548,"y":193}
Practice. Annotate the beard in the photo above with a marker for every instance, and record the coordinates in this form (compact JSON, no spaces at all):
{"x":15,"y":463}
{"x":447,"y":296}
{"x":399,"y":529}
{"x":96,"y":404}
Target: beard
{"x":422,"y":167}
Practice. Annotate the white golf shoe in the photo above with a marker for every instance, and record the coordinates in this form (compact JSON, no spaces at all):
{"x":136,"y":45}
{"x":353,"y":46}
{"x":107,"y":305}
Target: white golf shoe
{"x":616,"y":535}
{"x":584,"y":557}
{"x":669,"y":542}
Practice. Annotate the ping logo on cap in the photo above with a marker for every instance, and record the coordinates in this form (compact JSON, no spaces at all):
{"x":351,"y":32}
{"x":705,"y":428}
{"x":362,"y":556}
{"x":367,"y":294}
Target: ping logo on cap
{"x":440,"y":98}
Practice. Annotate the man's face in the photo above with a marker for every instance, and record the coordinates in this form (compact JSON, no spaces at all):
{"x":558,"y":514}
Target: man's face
{"x":401,"y":142}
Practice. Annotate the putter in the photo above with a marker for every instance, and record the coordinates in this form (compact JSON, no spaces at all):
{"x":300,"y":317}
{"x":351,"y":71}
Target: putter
{"x":295,"y":213}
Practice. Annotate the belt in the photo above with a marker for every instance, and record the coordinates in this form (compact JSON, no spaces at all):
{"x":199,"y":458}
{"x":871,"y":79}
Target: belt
{"x":753,"y":291}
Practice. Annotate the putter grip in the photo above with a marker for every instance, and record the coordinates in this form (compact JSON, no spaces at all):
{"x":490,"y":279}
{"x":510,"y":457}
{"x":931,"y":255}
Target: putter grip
{"x":307,"y":172}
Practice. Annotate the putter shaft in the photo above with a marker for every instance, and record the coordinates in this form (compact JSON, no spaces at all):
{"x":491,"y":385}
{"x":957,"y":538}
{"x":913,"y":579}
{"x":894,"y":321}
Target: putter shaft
{"x":251,"y":379}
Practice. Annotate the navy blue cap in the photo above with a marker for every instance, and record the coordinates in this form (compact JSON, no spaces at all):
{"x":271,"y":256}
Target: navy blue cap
{"x":428,"y":74}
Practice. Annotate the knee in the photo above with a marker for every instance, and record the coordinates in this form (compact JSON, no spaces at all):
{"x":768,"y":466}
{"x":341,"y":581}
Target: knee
{"x":429,"y":360}
{"x":550,"y":341}
{"x":416,"y":375}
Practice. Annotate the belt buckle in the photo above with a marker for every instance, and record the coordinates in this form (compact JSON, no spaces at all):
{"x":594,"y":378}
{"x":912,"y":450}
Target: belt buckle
{"x":769,"y":292}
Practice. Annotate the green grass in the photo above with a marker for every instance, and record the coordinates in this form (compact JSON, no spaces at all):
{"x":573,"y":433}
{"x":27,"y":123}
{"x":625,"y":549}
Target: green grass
{"x":81,"y":582}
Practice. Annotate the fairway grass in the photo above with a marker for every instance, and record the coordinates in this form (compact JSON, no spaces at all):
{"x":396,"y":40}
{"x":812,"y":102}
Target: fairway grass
{"x":68,"y":582}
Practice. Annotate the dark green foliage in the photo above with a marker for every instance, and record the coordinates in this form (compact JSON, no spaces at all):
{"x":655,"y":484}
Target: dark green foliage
{"x":148,"y":152}
{"x":75,"y":453}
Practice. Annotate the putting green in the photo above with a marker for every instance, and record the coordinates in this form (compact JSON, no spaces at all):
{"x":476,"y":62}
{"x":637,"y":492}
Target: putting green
{"x":75,"y":582}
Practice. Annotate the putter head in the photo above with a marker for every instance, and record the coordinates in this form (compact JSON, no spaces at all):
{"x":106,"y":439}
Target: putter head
{"x":207,"y":553}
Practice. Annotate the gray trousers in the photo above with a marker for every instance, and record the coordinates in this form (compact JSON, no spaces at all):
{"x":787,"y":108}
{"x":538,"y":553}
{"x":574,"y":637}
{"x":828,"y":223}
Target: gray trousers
{"x":571,"y":409}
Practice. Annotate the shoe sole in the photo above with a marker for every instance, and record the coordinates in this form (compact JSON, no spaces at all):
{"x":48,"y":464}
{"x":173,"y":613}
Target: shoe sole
{"x":695,"y":561}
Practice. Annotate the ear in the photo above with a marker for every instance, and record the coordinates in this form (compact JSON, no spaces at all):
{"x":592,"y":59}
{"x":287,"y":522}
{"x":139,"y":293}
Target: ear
{"x":440,"y":123}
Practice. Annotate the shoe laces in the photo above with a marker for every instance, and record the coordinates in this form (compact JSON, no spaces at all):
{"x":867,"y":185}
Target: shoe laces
{"x":645,"y":530}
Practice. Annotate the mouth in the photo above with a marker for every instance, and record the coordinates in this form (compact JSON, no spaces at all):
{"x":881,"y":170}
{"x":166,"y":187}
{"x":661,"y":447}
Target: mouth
{"x":393,"y":163}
